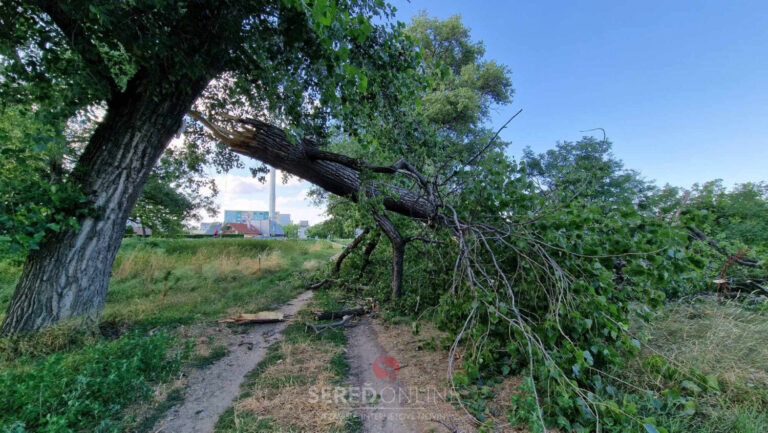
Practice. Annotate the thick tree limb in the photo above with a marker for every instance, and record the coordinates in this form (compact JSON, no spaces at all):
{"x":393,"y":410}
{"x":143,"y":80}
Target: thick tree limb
{"x":398,"y":251}
{"x":79,"y":41}
{"x":337,"y":174}
{"x":348,"y":250}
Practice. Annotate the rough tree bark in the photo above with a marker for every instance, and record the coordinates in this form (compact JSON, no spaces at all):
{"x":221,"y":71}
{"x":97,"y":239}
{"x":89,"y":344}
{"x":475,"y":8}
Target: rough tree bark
{"x":68,"y":276}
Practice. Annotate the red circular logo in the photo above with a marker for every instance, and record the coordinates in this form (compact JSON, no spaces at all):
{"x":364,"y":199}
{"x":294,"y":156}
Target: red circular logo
{"x":385,"y":367}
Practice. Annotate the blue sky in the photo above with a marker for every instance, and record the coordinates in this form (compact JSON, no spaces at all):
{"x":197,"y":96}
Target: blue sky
{"x":681,"y":87}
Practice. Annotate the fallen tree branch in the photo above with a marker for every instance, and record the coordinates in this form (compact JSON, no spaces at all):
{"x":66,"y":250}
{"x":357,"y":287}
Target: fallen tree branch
{"x":337,"y":174}
{"x":329,"y":315}
{"x":348,"y":250}
{"x":261,"y":317}
{"x":743,"y":285}
{"x":321,"y":283}
{"x":318,"y":328}
{"x":398,"y":251}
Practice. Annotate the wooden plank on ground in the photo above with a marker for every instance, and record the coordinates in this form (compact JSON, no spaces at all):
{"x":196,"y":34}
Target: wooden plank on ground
{"x":261,"y":317}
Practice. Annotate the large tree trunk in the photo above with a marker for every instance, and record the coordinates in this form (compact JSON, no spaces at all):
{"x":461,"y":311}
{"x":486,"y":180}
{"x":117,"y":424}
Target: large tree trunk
{"x":67,"y":277}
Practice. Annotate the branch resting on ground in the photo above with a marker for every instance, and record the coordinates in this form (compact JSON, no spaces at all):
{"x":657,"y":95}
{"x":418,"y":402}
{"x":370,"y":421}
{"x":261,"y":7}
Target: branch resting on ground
{"x":318,"y":328}
{"x":329,"y":315}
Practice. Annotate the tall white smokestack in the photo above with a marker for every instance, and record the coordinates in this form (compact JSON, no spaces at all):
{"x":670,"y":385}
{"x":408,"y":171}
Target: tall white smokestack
{"x":272,"y":216}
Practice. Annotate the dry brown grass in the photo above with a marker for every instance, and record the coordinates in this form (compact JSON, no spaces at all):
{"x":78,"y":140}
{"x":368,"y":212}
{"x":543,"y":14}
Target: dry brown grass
{"x":311,"y":265}
{"x":153,"y":266}
{"x":714,"y":337}
{"x":317,"y":246}
{"x":283,"y":390}
{"x":427,"y":368}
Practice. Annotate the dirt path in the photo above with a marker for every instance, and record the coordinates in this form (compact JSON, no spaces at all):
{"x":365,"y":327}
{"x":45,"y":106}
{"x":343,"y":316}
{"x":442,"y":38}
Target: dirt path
{"x":385,"y":413}
{"x":211,"y":391}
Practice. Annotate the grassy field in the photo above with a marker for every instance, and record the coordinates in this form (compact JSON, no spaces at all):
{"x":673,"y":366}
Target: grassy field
{"x":63,"y":380}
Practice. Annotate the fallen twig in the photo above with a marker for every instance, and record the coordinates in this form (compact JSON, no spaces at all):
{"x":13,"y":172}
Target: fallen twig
{"x":318,"y":328}
{"x":319,"y":284}
{"x":329,"y":315}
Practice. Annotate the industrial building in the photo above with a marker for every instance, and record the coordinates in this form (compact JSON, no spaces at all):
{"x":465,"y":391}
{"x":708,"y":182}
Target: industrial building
{"x":252,"y":223}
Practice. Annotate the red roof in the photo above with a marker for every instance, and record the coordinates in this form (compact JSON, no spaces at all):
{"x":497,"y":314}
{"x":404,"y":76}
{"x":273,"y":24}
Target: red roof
{"x":240,"y":228}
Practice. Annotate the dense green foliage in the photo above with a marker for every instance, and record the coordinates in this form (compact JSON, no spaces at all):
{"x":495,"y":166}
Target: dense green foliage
{"x":736,"y":214}
{"x":34,"y":197}
{"x":332,"y":227}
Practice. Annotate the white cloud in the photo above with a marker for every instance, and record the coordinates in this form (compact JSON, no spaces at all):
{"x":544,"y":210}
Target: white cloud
{"x":299,"y":197}
{"x":246,"y":193}
{"x":242,"y":185}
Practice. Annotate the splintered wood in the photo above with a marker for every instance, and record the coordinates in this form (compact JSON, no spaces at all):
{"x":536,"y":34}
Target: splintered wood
{"x":261,"y":317}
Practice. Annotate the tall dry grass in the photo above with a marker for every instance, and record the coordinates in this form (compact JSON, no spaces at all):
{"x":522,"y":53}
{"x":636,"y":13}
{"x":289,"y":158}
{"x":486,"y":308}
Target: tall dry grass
{"x":171,"y":282}
{"x":716,"y":337}
{"x":154,"y":265}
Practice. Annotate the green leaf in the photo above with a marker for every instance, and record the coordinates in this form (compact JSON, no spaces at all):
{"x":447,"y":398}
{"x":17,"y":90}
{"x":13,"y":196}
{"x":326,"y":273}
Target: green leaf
{"x":650,"y":428}
{"x":711,"y":381}
{"x":362,"y":83}
{"x":689,"y":407}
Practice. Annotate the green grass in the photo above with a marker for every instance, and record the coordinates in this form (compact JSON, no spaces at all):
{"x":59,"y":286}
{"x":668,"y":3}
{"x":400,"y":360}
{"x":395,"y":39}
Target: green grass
{"x":85,"y":390}
{"x":726,"y":340}
{"x":64,"y":379}
{"x":169,"y":282}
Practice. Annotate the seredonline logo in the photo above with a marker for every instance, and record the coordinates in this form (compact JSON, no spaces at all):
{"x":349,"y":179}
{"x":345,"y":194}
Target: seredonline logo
{"x":385,"y":367}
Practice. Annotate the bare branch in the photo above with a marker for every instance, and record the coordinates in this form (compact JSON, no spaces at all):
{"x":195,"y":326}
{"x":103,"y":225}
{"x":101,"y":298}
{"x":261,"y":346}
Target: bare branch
{"x":348,"y":250}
